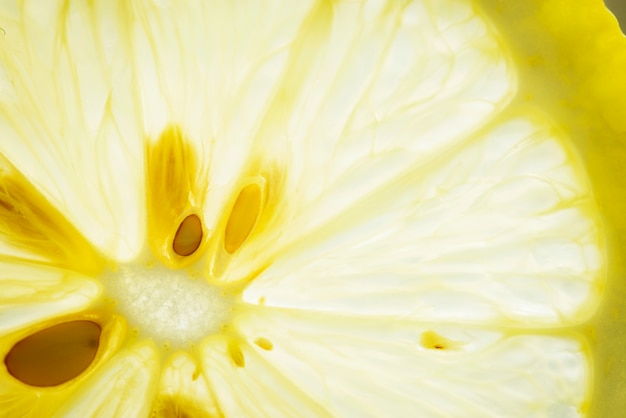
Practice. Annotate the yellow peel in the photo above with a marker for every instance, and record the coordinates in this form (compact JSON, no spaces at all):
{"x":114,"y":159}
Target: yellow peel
{"x":571,"y":59}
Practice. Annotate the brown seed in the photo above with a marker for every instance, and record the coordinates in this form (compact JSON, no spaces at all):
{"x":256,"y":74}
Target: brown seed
{"x":54,"y":355}
{"x":188,"y":237}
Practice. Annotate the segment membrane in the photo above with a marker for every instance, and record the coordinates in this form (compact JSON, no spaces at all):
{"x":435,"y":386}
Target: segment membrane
{"x":31,"y":223}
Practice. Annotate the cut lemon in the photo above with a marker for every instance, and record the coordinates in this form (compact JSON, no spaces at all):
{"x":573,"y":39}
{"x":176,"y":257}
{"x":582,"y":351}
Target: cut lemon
{"x":311,"y":208}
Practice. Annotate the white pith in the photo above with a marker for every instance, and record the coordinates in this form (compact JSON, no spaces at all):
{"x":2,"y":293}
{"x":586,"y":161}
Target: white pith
{"x":168,"y":306}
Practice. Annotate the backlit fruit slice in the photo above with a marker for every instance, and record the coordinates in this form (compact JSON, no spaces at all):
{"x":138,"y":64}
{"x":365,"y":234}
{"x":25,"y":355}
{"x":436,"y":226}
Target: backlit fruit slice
{"x":317,"y":356}
{"x":435,"y":230}
{"x":28,"y":221}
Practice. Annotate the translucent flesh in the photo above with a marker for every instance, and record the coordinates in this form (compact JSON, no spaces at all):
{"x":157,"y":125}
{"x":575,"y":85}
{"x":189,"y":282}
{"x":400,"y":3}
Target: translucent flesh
{"x":30,"y":223}
{"x":407,"y":206}
{"x":585,"y":92}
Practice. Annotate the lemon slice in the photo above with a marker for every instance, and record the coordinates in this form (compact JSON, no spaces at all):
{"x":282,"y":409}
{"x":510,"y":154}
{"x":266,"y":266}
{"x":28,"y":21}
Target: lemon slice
{"x":311,"y":208}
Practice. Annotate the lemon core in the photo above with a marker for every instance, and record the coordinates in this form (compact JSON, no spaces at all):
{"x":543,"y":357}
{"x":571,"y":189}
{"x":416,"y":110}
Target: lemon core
{"x":168,"y":306}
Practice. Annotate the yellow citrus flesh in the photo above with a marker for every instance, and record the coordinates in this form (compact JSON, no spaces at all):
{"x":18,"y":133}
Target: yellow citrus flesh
{"x":311,"y":208}
{"x":585,"y":92}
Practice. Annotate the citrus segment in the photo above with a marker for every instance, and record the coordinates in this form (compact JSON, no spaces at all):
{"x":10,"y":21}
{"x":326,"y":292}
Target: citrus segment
{"x":374,"y":368}
{"x":501,"y":231}
{"x":54,"y":355}
{"x":254,"y":390}
{"x":69,"y":121}
{"x":29,"y":221}
{"x":390,"y":85}
{"x":29,"y":294}
{"x":124,"y":386}
{"x":183,"y":391}
{"x":369,"y":91}
{"x":212,"y":68}
{"x":28,"y":403}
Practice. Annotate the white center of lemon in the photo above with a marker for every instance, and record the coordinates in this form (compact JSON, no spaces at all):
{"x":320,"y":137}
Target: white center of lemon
{"x":167,"y":305}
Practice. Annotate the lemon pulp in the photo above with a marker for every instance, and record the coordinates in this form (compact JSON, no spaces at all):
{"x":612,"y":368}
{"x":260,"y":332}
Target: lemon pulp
{"x":351,"y":208}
